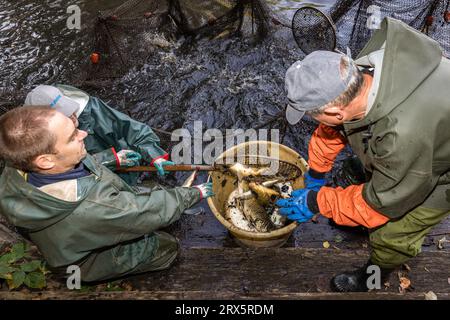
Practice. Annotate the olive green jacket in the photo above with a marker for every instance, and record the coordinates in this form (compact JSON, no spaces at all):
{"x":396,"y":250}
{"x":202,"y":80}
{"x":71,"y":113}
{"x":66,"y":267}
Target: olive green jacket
{"x":107,"y":214}
{"x":404,"y":140}
{"x":107,"y":128}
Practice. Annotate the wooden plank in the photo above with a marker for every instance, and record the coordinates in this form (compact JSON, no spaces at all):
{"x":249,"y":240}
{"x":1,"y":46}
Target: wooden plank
{"x":282,"y":273}
{"x":293,"y":270}
{"x":208,"y":295}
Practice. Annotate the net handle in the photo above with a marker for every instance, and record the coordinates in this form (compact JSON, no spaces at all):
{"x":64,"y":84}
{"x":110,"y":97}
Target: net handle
{"x":332,"y":26}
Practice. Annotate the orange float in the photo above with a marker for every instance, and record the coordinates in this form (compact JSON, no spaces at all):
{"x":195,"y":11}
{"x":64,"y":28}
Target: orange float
{"x":95,"y":58}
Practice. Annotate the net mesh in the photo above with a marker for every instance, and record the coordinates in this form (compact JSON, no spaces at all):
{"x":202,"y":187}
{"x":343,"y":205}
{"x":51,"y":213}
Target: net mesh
{"x":355,"y":19}
{"x":313,"y":30}
{"x":125,"y":36}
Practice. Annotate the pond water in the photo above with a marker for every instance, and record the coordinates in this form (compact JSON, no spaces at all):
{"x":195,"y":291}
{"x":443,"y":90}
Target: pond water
{"x":37,"y":47}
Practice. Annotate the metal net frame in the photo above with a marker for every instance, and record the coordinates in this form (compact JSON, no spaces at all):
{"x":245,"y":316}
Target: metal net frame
{"x":313,"y":30}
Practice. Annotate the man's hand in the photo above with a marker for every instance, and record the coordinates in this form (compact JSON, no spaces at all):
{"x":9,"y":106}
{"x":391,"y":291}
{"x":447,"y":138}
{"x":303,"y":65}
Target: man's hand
{"x":128,"y":158}
{"x":296,"y":208}
{"x":159,"y":165}
{"x":205,"y":190}
{"x":313,"y":183}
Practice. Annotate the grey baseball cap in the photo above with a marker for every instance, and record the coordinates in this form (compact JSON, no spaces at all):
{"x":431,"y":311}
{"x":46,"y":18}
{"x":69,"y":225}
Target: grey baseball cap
{"x":313,"y":82}
{"x":44,"y":95}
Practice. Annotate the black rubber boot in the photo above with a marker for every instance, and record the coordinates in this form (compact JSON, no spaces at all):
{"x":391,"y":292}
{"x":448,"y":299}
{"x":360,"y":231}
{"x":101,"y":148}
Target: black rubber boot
{"x":352,"y":172}
{"x":356,"y":281}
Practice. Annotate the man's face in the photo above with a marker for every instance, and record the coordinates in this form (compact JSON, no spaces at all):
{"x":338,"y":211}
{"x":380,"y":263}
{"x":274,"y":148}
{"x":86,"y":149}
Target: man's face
{"x":328,"y":120}
{"x":70,"y":149}
{"x":336,"y":115}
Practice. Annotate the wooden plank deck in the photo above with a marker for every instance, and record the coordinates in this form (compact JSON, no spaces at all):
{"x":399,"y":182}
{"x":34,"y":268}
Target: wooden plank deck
{"x":204,"y":230}
{"x":208,"y":295}
{"x":281,"y":273}
{"x":212,"y":266}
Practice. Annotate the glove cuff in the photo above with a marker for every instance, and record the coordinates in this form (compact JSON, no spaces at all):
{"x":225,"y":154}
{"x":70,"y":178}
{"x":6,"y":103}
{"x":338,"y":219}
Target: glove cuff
{"x":311,"y":201}
{"x":200,"y":190}
{"x":316,"y":175}
{"x":164,"y":156}
{"x":117,"y":157}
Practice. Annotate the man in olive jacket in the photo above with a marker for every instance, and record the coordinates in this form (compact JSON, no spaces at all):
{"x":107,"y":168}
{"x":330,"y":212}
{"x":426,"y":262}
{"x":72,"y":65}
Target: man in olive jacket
{"x":392,"y":106}
{"x":76,"y":210}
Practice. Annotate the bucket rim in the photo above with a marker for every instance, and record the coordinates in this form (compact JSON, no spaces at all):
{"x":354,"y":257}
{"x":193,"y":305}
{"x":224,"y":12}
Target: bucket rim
{"x":278,"y":233}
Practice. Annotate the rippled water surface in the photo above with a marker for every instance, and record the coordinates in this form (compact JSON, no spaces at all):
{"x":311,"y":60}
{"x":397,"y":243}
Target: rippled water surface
{"x":36,"y":46}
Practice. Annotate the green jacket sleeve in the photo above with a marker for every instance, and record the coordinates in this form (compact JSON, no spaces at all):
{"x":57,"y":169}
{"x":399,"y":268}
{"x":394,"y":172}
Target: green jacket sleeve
{"x":124,"y":215}
{"x":402,"y":170}
{"x":117,"y":129}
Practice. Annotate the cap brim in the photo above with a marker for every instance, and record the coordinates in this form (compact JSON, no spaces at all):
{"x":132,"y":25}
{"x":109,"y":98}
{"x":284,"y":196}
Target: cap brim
{"x":293,"y":115}
{"x":67,"y":106}
{"x":28,"y":100}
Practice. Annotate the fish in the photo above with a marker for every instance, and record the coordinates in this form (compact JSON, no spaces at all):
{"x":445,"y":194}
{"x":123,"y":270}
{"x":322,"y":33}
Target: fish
{"x":190,"y":180}
{"x":250,"y":194}
{"x":235,"y":215}
{"x":257,"y":215}
{"x":241,"y":171}
{"x":285,"y":189}
{"x":264,"y":195}
{"x":277,"y":219}
{"x":249,"y":213}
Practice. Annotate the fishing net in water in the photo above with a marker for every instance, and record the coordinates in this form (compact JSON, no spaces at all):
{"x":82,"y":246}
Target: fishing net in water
{"x":356,"y":20}
{"x":125,"y":36}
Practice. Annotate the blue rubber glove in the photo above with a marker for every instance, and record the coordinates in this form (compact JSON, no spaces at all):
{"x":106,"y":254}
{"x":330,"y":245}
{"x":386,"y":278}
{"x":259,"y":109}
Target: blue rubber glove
{"x":296,"y":208}
{"x":159,"y":165}
{"x":313,"y":183}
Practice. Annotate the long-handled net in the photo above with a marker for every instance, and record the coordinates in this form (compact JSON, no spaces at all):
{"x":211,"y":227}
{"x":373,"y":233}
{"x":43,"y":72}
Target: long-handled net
{"x":313,"y":30}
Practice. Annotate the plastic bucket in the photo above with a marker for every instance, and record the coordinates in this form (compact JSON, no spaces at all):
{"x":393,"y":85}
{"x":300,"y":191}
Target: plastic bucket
{"x":224,"y":184}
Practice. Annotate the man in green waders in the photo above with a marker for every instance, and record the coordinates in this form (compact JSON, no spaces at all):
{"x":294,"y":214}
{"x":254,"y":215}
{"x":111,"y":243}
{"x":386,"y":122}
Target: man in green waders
{"x":76,"y":210}
{"x":116,"y":139}
{"x":392,"y":106}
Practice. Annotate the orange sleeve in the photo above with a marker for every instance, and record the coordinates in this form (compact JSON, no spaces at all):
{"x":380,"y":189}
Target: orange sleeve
{"x":325,"y":145}
{"x":347,"y":207}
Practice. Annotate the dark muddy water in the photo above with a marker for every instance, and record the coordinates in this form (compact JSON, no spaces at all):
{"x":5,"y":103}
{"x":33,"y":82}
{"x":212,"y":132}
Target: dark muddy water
{"x":36,"y":45}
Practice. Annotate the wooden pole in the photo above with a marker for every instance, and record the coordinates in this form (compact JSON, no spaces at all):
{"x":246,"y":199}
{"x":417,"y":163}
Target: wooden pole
{"x":177,"y":167}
